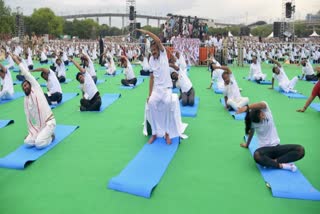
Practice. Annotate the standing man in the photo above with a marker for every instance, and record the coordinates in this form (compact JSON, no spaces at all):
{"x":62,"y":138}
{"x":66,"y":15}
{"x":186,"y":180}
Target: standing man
{"x":40,"y":119}
{"x":160,"y":90}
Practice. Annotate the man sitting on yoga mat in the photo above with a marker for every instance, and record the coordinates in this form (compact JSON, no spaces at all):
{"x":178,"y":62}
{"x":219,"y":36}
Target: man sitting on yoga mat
{"x":89,"y":66}
{"x":284,"y":83}
{"x":60,"y":70}
{"x":307,"y":71}
{"x":315,"y":92}
{"x":54,"y":95}
{"x":232,"y":96}
{"x":6,"y":84}
{"x":255,"y":73}
{"x":270,"y":153}
{"x":145,"y":65}
{"x":160,"y":90}
{"x":91,"y":100}
{"x":183,"y":82}
{"x":40,"y":119}
{"x":130,"y":79}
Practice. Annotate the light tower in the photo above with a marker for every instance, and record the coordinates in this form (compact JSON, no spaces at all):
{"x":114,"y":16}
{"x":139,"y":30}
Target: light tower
{"x":288,"y":17}
{"x":19,"y":25}
{"x":131,"y":21}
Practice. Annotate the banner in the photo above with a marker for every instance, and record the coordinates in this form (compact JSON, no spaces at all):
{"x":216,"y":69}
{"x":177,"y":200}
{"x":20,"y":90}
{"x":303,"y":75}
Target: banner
{"x":189,"y":48}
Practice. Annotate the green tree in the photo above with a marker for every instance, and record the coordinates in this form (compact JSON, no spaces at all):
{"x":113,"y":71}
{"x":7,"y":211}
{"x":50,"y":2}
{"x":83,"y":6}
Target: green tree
{"x":6,"y":19}
{"x":154,"y":30}
{"x":262,"y":30}
{"x":44,"y":21}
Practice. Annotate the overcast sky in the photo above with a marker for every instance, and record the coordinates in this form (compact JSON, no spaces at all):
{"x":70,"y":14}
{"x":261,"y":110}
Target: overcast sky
{"x":230,"y":11}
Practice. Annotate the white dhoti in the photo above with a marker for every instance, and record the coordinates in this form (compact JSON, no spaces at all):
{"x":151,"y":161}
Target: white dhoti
{"x":5,"y":95}
{"x":238,"y":103}
{"x":289,"y":86}
{"x":175,"y":126}
{"x":259,"y":76}
{"x":43,"y":138}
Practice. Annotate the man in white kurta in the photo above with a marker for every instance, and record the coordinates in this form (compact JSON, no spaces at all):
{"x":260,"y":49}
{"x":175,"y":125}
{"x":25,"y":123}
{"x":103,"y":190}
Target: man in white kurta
{"x":6,"y":90}
{"x":255,"y":73}
{"x":40,"y":119}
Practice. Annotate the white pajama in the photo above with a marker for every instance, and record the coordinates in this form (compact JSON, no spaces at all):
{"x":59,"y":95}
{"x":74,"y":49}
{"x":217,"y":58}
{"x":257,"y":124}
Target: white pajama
{"x":289,"y":86}
{"x":238,"y":103}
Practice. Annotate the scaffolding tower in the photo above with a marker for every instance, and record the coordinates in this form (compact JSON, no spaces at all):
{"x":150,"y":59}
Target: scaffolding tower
{"x":19,"y":25}
{"x":287,"y":24}
{"x":131,"y":23}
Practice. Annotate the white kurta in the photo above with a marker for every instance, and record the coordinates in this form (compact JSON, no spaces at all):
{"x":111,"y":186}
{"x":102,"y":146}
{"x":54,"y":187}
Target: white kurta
{"x":40,"y":119}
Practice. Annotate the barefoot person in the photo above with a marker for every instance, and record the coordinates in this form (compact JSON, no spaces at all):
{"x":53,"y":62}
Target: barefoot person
{"x":160,"y":90}
{"x":40,"y":119}
{"x":270,"y":153}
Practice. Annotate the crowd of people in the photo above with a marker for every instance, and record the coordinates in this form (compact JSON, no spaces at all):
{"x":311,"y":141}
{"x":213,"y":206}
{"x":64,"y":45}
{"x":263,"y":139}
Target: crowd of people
{"x":166,"y":71}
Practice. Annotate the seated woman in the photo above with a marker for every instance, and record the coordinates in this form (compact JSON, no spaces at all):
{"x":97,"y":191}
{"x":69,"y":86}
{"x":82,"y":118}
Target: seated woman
{"x":270,"y":153}
{"x":315,"y":92}
{"x":130,"y":79}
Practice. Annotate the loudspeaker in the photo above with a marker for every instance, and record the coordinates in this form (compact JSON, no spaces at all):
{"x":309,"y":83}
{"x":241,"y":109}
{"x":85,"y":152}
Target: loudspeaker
{"x":244,"y":31}
{"x":131,"y":14}
{"x":288,"y":10}
{"x":137,"y":25}
{"x":276,"y":29}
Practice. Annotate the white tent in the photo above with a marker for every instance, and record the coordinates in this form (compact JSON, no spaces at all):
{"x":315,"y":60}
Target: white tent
{"x":314,"y":34}
{"x":270,"y":36}
{"x":230,"y":34}
{"x":250,"y":35}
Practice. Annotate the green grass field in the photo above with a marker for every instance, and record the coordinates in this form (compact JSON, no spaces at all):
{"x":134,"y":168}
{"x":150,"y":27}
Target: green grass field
{"x":210,"y":173}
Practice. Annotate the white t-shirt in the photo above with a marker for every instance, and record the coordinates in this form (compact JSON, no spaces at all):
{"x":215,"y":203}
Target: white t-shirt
{"x":184,"y":81}
{"x":43,"y":56}
{"x":307,"y":70}
{"x":145,"y":64}
{"x":7,"y":84}
{"x":266,"y":130}
{"x":128,"y":71}
{"x":90,"y":69}
{"x":232,"y":90}
{"x":88,"y":87}
{"x":161,"y":72}
{"x":61,"y":70}
{"x":53,"y":84}
{"x":281,"y":77}
{"x":255,"y":69}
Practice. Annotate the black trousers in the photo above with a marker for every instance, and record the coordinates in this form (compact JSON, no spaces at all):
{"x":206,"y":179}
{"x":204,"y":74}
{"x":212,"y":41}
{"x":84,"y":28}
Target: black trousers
{"x":91,"y":105}
{"x":144,"y":73}
{"x":55,"y":97}
{"x":275,"y":155}
{"x":187,"y":98}
{"x":53,"y":68}
{"x":44,"y":62}
{"x":62,"y":79}
{"x":311,"y":77}
{"x":30,"y":67}
{"x":66,"y":62}
{"x":129,"y":82}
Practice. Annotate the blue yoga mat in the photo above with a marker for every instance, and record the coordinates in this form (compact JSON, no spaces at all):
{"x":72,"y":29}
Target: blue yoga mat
{"x":190,"y":111}
{"x":262,"y":82}
{"x":66,"y":82}
{"x":139,"y":81}
{"x":16,"y":96}
{"x":100,"y":81}
{"x":284,"y":183}
{"x":19,"y":158}
{"x":233,"y":113}
{"x":176,"y":90}
{"x":144,"y":172}
{"x":4,"y":123}
{"x":65,"y":97}
{"x":290,"y":95}
{"x":215,"y":89}
{"x":16,"y":69}
{"x":107,"y":100}
{"x":315,"y":106}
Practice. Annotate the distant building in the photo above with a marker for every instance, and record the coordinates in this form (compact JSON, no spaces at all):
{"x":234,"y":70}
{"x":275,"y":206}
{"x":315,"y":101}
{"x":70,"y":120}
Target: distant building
{"x":313,"y":17}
